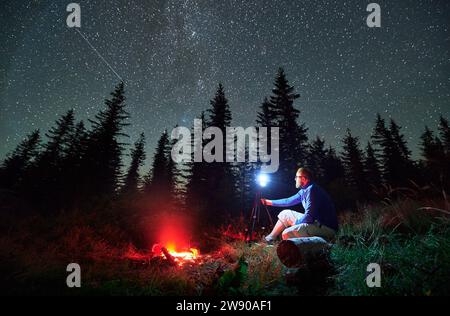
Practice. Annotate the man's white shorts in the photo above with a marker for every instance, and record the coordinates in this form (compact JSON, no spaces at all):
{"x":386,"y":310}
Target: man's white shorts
{"x":289,"y":219}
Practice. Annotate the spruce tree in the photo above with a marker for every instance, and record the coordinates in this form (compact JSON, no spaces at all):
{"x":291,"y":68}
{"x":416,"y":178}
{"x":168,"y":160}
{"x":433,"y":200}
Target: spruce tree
{"x":431,"y":146}
{"x":385,"y":150}
{"x":435,"y":163}
{"x":316,"y":160}
{"x":220,"y":114}
{"x":46,"y":184}
{"x":77,"y":146}
{"x":176,"y":172}
{"x":352,"y":158}
{"x":159,"y":180}
{"x":399,"y":141}
{"x":393,"y":153}
{"x":404,"y":166}
{"x":293,"y":136}
{"x":59,"y":138}
{"x":196,"y":180}
{"x":221,"y":176}
{"x":16,"y":164}
{"x":72,"y":172}
{"x":372,"y":168}
{"x":266,"y":118}
{"x":444,"y":131}
{"x":103,"y":158}
{"x":333,"y":167}
{"x":132,"y":182}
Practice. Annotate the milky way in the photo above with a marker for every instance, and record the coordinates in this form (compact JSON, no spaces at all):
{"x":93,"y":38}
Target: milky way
{"x":173,"y":54}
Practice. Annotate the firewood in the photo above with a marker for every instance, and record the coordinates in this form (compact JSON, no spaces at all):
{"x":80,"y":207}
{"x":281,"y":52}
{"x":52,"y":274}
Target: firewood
{"x":168,"y":256}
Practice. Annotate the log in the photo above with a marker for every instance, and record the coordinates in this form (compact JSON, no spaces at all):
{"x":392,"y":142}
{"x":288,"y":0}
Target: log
{"x":168,"y":256}
{"x":297,"y":252}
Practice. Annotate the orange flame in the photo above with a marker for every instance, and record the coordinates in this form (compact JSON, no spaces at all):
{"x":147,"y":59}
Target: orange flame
{"x":192,"y":254}
{"x":180,"y":257}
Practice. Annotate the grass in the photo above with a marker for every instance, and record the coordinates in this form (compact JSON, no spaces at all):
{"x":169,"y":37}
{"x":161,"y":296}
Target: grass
{"x":34,"y":256}
{"x":411,"y":244}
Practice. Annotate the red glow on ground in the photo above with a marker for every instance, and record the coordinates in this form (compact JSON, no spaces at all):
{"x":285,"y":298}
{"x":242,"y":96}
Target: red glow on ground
{"x":242,"y":236}
{"x":174,"y":234}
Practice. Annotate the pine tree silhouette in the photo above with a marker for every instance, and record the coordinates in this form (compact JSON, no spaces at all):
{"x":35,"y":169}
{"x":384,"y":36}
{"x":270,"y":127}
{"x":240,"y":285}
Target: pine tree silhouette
{"x":220,"y":114}
{"x":44,"y":182}
{"x":293,"y":137}
{"x":372,"y":169}
{"x":221,"y":176}
{"x":102,"y":162}
{"x":176,"y":174}
{"x":399,"y":141}
{"x":385,"y":150}
{"x":247,"y":185}
{"x":352,"y":158}
{"x":404,"y":167}
{"x":431,"y":146}
{"x":73,"y":190}
{"x":392,"y":152}
{"x":267,"y":116}
{"x":132,"y":182}
{"x":444,"y":131}
{"x":435,"y":166}
{"x":77,"y":146}
{"x":16,"y":164}
{"x":196,"y":179}
{"x":333,"y":167}
{"x":59,"y":138}
{"x":159,"y":183}
{"x":316,"y":160}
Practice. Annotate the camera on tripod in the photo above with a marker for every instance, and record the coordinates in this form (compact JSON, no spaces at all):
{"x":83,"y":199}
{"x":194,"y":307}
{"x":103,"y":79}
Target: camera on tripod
{"x":255,"y":222}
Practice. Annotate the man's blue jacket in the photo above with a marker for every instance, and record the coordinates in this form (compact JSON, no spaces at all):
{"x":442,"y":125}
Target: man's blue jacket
{"x":317,"y":204}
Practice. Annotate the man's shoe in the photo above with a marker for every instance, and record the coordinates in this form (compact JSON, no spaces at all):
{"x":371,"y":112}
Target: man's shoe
{"x":268,"y":240}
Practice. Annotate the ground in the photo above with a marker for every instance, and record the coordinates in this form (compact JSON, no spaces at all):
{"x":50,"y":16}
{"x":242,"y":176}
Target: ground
{"x":411,"y":244}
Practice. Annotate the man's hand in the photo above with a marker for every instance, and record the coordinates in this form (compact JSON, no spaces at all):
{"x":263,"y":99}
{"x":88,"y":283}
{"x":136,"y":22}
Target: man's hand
{"x":266,"y":202}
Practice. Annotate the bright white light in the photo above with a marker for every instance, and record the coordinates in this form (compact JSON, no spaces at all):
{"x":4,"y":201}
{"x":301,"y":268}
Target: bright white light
{"x":263,"y":180}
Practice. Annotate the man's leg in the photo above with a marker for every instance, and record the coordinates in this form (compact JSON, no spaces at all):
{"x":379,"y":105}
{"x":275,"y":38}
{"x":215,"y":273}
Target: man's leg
{"x":297,"y":231}
{"x":277,"y":230}
{"x":286,"y":219}
{"x":309,"y":230}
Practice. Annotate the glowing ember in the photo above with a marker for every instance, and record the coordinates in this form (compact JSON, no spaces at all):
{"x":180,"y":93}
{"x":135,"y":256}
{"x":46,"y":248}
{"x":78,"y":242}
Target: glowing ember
{"x":180,"y":257}
{"x":191,"y":255}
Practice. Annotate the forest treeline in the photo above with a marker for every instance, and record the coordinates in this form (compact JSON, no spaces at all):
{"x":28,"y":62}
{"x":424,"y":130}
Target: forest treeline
{"x":79,"y":165}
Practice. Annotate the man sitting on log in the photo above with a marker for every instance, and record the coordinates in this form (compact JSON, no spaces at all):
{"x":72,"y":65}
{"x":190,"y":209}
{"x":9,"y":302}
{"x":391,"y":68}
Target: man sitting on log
{"x":320,"y":217}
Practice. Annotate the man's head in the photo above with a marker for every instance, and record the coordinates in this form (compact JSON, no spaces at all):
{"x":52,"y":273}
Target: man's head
{"x":303,"y":178}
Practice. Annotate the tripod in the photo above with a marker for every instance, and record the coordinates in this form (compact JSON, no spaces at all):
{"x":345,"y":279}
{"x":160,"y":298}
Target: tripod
{"x":255,"y":216}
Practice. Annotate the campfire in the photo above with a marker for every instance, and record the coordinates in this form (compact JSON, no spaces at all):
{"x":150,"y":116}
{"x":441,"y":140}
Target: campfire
{"x":173,"y":247}
{"x":179,"y":257}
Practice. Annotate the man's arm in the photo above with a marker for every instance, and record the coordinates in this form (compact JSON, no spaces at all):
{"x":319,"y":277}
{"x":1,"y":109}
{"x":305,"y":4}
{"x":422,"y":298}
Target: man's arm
{"x":293,"y":200}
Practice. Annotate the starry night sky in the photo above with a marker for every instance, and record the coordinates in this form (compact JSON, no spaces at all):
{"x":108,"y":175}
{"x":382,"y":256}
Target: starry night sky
{"x":173,"y":53}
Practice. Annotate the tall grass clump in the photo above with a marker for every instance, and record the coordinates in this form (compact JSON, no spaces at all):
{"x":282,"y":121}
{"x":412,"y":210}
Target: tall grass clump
{"x":411,"y":243}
